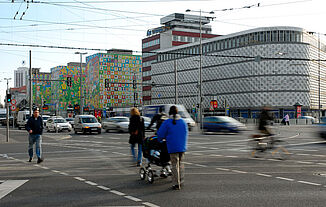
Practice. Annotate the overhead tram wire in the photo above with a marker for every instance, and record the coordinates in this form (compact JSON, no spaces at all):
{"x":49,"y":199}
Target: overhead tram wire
{"x":185,"y":55}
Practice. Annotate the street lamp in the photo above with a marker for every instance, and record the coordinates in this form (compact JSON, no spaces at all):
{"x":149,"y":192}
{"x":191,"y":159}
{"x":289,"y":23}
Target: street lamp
{"x":200,"y":64}
{"x":81,"y":80}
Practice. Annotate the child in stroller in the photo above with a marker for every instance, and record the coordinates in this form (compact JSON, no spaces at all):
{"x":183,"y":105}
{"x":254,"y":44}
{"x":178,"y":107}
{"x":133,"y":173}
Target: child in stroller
{"x":155,"y":153}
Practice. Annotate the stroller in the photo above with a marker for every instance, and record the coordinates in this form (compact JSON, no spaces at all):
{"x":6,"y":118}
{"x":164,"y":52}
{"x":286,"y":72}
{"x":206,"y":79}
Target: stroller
{"x":155,"y":153}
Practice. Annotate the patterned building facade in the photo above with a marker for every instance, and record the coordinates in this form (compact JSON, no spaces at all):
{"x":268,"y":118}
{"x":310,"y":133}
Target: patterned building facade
{"x":41,"y":86}
{"x":62,"y":94}
{"x":113,"y":80}
{"x":275,"y":66}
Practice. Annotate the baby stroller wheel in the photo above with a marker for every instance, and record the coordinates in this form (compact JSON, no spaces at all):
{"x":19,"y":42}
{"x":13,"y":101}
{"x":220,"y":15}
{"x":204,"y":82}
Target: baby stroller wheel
{"x":150,"y":176}
{"x":142,"y":173}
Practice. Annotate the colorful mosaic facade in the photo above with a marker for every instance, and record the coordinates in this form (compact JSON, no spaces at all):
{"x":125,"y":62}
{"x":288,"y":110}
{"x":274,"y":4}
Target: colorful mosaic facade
{"x":119,"y":71}
{"x":64,"y":95}
{"x":41,"y":88}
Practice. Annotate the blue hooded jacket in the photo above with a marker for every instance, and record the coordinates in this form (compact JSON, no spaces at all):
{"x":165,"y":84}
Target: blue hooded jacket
{"x":176,"y":135}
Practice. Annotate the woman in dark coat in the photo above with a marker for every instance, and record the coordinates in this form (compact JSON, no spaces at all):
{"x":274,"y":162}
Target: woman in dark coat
{"x":137,"y":134}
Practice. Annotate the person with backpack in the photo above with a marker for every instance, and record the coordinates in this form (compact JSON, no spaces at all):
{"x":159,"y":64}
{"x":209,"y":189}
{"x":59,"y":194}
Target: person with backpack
{"x":159,"y":118}
{"x":175,"y":132}
{"x":137,"y":134}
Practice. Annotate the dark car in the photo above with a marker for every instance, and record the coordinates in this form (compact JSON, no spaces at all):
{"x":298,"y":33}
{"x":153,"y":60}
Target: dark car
{"x":221,"y":124}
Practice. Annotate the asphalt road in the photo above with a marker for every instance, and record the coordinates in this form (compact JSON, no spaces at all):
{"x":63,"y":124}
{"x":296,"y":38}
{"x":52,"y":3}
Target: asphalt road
{"x":96,"y":170}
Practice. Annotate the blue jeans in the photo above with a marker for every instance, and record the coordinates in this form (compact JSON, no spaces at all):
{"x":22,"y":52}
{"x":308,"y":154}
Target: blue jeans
{"x":37,"y":139}
{"x":132,"y":147}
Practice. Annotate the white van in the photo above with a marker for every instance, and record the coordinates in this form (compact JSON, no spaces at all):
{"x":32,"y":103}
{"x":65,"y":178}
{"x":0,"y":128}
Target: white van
{"x":87,"y":123}
{"x":22,"y":119}
{"x":151,"y":110}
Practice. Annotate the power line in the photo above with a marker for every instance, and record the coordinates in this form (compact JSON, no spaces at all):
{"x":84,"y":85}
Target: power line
{"x":173,"y":53}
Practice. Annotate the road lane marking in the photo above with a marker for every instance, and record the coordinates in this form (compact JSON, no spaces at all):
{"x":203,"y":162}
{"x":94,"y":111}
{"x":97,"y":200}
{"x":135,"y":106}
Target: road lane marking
{"x":150,"y":204}
{"x":10,"y":185}
{"x":223,"y":169}
{"x":199,"y":165}
{"x":239,"y":171}
{"x":262,"y":174}
{"x":231,"y":156}
{"x":55,"y":171}
{"x":63,"y":173}
{"x":309,"y":183}
{"x":90,"y":183}
{"x":303,"y":154}
{"x":119,"y":153}
{"x":133,"y":198}
{"x":282,"y":178}
{"x":117,"y":193}
{"x":79,"y":178}
{"x":103,"y":187}
{"x":304,"y":162}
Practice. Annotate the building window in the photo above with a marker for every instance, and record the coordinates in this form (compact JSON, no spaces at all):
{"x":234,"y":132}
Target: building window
{"x":268,"y":36}
{"x":287,"y":36}
{"x":281,"y":36}
{"x":274,"y":36}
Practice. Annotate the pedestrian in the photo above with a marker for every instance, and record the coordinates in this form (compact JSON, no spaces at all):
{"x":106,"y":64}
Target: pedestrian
{"x":287,"y":119}
{"x":34,"y":126}
{"x":175,"y":132}
{"x":137,"y":134}
{"x":158,"y":118}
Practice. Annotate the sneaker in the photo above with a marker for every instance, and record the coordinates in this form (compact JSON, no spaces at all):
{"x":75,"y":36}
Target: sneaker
{"x":138,"y":164}
{"x":30,"y":159}
{"x":39,"y":160}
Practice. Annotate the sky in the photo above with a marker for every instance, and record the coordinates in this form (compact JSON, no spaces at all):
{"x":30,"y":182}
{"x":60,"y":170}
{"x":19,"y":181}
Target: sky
{"x":106,"y":24}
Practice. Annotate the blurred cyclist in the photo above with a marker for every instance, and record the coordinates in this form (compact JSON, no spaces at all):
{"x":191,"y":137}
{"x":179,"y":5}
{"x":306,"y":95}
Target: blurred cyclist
{"x":264,"y":120}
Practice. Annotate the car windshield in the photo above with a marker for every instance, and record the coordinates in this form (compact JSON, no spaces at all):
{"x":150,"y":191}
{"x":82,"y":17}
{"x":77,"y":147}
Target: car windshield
{"x":89,"y":120}
{"x":121,"y":119}
{"x":69,"y":119}
{"x":45,"y":118}
{"x":60,"y":121}
{"x":227,"y":119}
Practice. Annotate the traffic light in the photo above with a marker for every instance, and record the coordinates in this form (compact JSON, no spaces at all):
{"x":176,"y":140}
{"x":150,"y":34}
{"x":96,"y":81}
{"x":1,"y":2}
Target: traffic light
{"x":69,"y":82}
{"x":134,"y":84}
{"x":8,"y":98}
{"x":107,"y":84}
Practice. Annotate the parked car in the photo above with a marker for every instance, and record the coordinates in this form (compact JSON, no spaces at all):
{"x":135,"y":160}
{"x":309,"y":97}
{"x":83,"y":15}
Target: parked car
{"x":57,"y":124}
{"x":71,"y":121}
{"x":222,"y":124}
{"x":87,"y":123}
{"x":45,"y":119}
{"x":117,"y":123}
{"x":313,"y":120}
{"x":22,"y":118}
{"x":147,"y":122}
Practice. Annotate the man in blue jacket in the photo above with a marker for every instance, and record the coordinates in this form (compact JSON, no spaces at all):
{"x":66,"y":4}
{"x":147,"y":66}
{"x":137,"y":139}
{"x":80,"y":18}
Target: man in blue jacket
{"x":34,"y":126}
{"x":175,"y":132}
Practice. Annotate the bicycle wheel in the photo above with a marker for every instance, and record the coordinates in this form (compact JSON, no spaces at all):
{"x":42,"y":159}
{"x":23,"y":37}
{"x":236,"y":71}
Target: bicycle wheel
{"x":279,"y":150}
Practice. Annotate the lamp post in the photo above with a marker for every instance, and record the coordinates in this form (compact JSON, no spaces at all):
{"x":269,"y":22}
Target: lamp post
{"x":81,"y":81}
{"x":200,"y":64}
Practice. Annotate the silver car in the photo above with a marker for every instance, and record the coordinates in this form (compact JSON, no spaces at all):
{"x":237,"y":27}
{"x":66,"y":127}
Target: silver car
{"x":117,"y":123}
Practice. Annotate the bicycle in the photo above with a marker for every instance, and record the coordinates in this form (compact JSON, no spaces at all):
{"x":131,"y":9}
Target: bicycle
{"x":260,"y":144}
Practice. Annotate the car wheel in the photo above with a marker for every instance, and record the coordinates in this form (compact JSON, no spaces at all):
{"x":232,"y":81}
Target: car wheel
{"x":99,"y":131}
{"x":108,"y":130}
{"x":75,"y":131}
{"x":84,"y":131}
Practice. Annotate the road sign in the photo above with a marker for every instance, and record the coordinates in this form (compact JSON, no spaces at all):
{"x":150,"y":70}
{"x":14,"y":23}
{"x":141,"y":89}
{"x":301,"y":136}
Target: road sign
{"x":13,"y":107}
{"x":13,"y":101}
